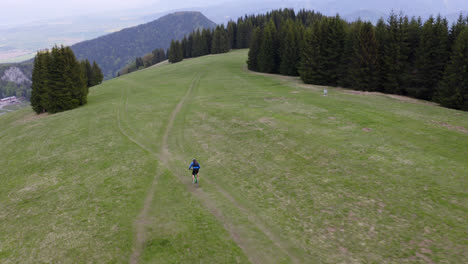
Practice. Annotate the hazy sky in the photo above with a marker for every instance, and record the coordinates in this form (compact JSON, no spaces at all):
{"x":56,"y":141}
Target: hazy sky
{"x":29,"y":10}
{"x":14,"y":11}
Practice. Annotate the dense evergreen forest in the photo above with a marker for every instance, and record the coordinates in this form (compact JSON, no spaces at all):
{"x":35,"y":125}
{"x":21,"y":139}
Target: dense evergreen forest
{"x":407,"y":56}
{"x":116,"y":50}
{"x":60,"y":82}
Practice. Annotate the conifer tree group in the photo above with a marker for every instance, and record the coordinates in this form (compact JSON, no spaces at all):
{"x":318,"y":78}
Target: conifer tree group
{"x":60,"y":82}
{"x":400,"y":56}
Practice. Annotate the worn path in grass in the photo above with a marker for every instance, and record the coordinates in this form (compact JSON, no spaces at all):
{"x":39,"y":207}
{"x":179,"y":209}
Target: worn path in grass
{"x":254,"y":255}
{"x":163,"y":155}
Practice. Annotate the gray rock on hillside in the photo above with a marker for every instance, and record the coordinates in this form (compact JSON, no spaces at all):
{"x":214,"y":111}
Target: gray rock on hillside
{"x":14,"y":74}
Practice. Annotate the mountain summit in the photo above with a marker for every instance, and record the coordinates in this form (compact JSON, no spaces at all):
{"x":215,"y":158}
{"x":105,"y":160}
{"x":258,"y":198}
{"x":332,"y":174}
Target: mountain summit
{"x":115,"y":50}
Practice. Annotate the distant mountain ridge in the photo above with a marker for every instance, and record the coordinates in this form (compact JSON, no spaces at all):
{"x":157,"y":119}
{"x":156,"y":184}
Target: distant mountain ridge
{"x":115,"y":50}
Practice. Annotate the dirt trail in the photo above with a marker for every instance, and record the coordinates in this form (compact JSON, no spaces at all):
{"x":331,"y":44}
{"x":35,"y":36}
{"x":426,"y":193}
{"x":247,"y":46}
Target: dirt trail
{"x":253,"y":254}
{"x":141,"y":220}
{"x":163,"y":155}
{"x":251,"y":217}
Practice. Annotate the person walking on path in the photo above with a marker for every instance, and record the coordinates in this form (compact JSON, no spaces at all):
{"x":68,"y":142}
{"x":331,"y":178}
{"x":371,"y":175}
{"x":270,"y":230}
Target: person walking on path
{"x":195,"y":166}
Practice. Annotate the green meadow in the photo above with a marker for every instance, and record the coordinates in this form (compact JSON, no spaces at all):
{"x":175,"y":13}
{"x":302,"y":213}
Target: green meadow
{"x":287,"y":175}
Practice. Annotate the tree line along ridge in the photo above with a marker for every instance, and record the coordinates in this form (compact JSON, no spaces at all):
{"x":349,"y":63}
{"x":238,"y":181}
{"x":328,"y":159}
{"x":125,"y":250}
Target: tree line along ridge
{"x":406,"y":56}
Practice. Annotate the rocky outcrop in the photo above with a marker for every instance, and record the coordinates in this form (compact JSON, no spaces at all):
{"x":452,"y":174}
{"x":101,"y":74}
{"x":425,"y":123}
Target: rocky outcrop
{"x":14,"y":74}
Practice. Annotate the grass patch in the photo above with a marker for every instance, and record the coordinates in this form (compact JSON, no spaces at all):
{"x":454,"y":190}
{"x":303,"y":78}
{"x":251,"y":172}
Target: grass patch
{"x":288,"y":175}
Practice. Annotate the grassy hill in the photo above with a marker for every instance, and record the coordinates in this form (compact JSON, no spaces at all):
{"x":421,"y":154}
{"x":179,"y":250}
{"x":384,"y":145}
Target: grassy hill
{"x":113,"y":51}
{"x":287,"y":175}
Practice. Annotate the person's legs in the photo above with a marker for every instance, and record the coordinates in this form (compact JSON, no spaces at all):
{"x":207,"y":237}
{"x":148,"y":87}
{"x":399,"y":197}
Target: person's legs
{"x":193,"y":178}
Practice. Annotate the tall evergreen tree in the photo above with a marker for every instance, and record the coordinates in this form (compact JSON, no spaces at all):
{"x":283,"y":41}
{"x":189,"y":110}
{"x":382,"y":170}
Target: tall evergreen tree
{"x":241,"y":35}
{"x":310,"y":64}
{"x":97,"y":74}
{"x":72,"y":78}
{"x":364,"y":61}
{"x":333,"y":34}
{"x":453,"y":89}
{"x":232,"y":34}
{"x":255,"y":46}
{"x":290,"y":49}
{"x":175,"y":52}
{"x":88,"y":72}
{"x":220,"y":41}
{"x":414,"y":40}
{"x":268,"y":56}
{"x":456,"y":29}
{"x":395,"y":56}
{"x":139,"y":63}
{"x":60,"y":97}
{"x":432,"y":57}
{"x":381,"y":36}
{"x":39,"y":77}
{"x":207,"y":38}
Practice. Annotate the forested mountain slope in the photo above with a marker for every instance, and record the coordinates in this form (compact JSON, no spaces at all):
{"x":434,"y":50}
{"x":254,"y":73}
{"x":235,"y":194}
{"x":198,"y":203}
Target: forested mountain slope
{"x":114,"y":51}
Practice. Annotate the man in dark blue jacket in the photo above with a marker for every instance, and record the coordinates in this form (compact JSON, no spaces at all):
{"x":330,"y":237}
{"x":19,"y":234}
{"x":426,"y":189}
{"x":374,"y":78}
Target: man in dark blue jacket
{"x":196,"y":166}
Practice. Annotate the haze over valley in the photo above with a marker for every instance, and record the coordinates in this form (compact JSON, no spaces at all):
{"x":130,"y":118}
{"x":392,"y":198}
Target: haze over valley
{"x":30,"y":26}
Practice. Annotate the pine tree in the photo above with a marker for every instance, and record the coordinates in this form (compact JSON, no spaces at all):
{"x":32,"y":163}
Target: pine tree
{"x":310,"y":64}
{"x":97,"y":74}
{"x":60,"y":96}
{"x":244,"y":33}
{"x":158,"y":56}
{"x":139,"y":64}
{"x":453,"y":89}
{"x":432,"y":57}
{"x":395,"y":55}
{"x":232,"y":32}
{"x":364,"y":61}
{"x":88,"y":72}
{"x":381,"y":36}
{"x":216,"y":42}
{"x":207,"y":38}
{"x":72,"y":78}
{"x":184,"y":45}
{"x":189,"y":47}
{"x":414,"y":40}
{"x":289,"y":55}
{"x":175,"y":52}
{"x":268,"y":56}
{"x":38,"y":78}
{"x":241,"y":35}
{"x":456,"y":29}
{"x":45,"y":90}
{"x":255,"y":46}
{"x":349,"y":58}
{"x":333,"y":34}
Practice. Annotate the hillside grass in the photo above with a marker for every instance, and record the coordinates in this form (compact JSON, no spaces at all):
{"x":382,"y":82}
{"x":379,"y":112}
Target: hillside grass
{"x":287,"y":175}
